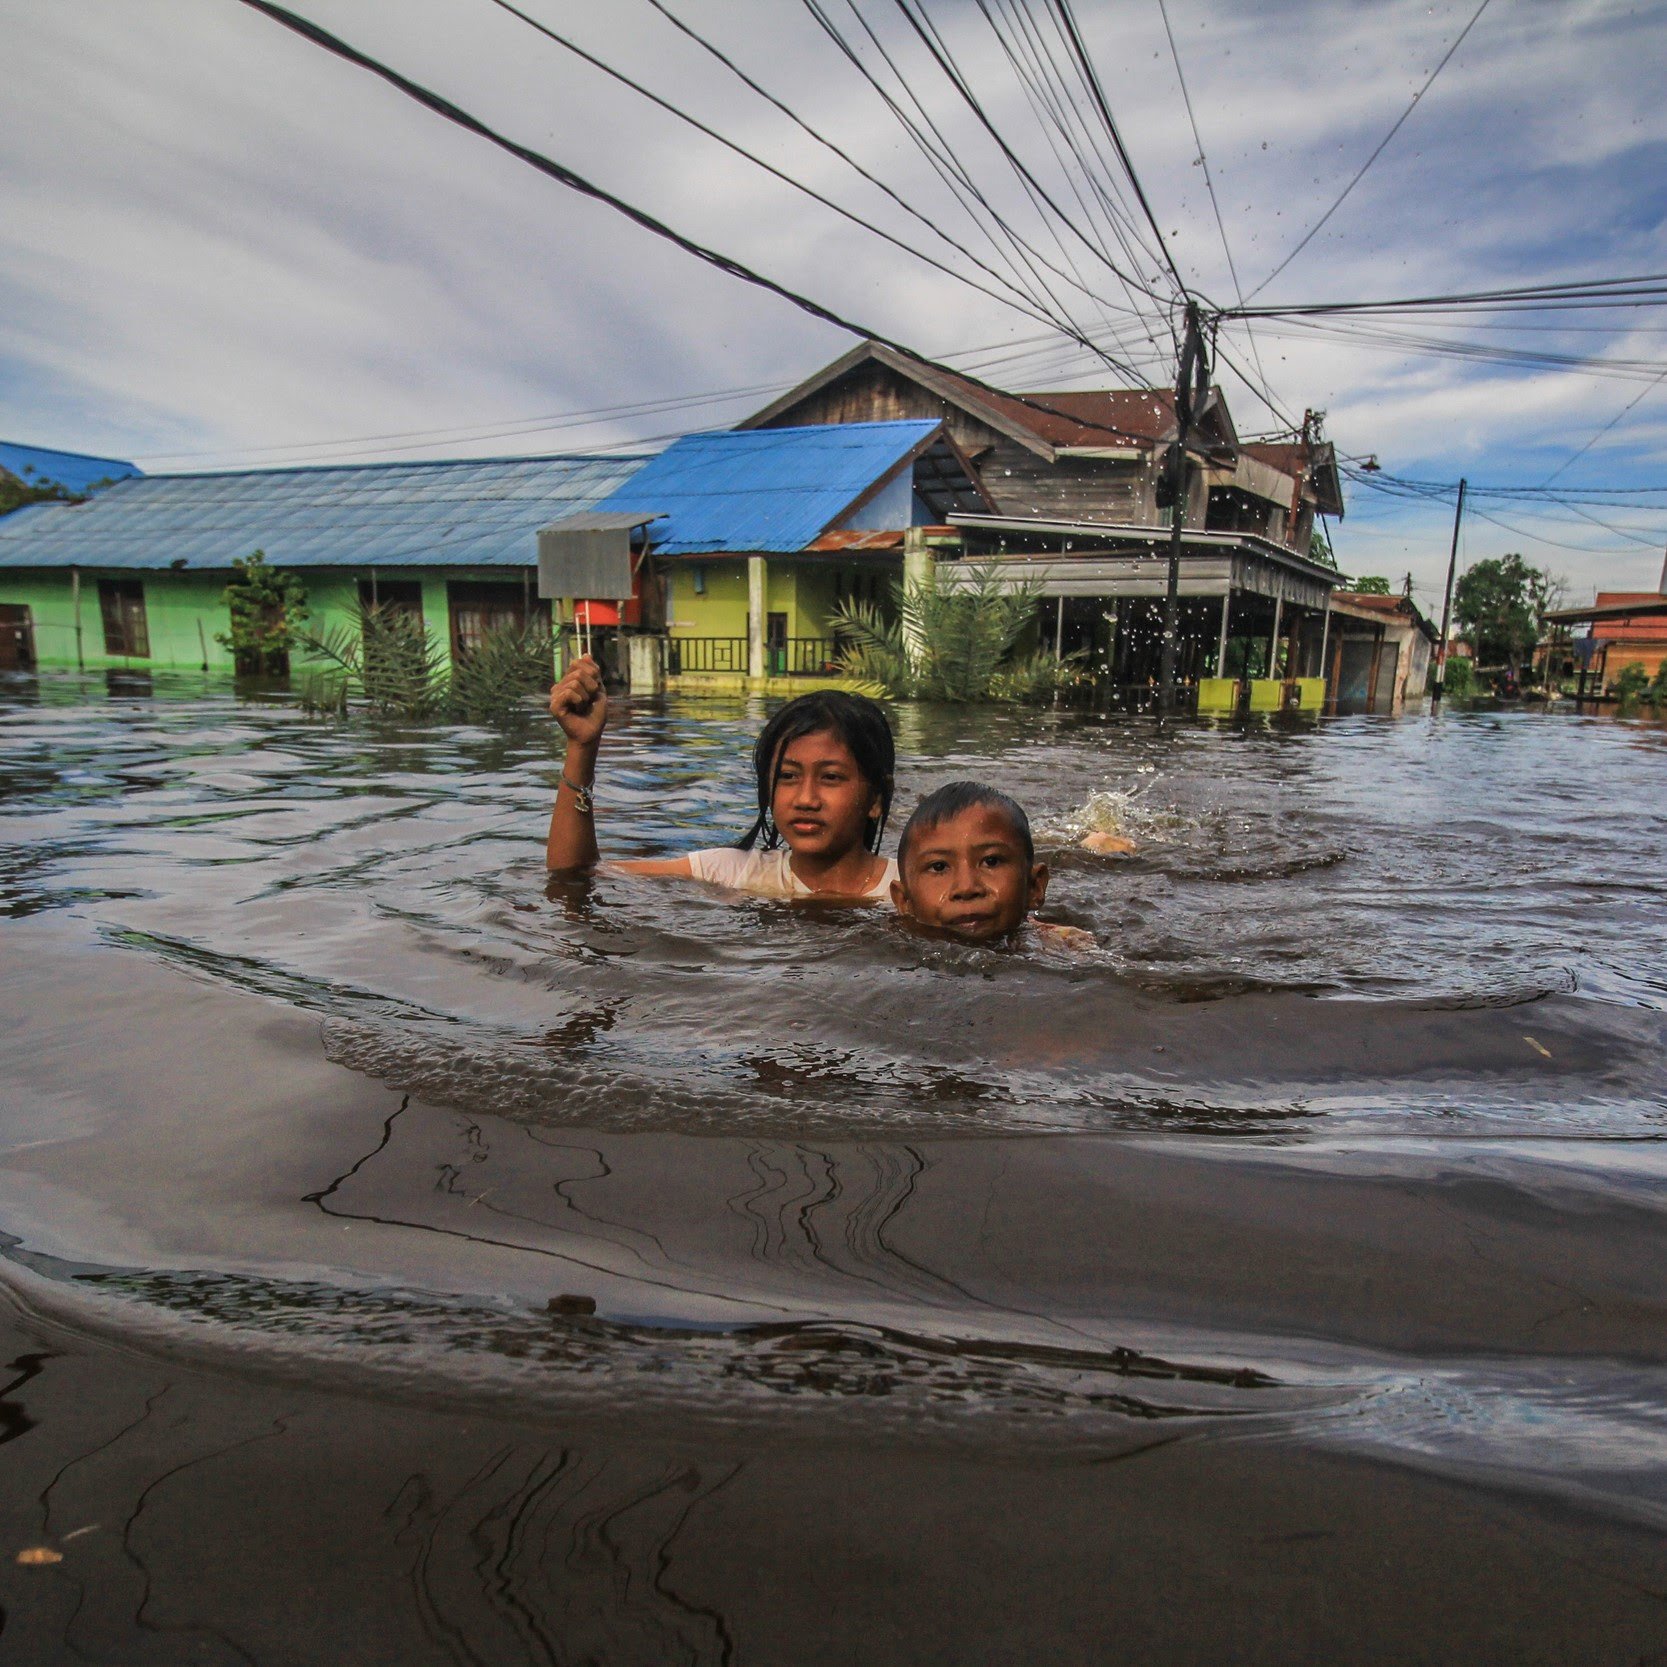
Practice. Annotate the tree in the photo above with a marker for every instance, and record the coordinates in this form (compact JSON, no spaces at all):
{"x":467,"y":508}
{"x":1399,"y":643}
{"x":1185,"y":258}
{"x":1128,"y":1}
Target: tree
{"x":266,"y":606}
{"x":18,"y":493}
{"x":1370,"y":584}
{"x":1319,"y":549}
{"x":1500,"y":605}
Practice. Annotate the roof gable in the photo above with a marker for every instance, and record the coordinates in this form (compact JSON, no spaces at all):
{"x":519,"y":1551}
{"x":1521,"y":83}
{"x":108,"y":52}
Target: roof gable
{"x":1044,"y":423}
{"x":766,"y":489}
{"x":72,"y":470}
{"x":1317,"y":461}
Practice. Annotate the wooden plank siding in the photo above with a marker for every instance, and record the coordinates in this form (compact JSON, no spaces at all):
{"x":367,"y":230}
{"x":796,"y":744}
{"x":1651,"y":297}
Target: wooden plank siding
{"x":1022,"y":481}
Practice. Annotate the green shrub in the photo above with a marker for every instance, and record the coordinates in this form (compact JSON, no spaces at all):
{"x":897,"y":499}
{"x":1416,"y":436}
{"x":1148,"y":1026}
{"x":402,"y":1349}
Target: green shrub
{"x":490,"y":683}
{"x":266,"y":608}
{"x":389,"y":660}
{"x":1630,"y":685}
{"x":1460,"y":675}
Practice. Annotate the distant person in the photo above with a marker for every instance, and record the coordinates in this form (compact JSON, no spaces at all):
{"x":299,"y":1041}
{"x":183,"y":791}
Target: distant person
{"x":824,"y":765}
{"x":967,"y":868}
{"x":1105,"y":844}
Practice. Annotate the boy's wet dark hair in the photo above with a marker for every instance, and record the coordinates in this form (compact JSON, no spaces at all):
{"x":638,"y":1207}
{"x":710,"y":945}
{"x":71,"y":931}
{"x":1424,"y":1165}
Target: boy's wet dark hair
{"x":944,"y":804}
{"x":857,"y":721}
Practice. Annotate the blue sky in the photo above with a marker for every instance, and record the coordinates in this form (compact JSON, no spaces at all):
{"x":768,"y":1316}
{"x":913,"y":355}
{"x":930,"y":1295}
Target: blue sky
{"x":219,"y":247}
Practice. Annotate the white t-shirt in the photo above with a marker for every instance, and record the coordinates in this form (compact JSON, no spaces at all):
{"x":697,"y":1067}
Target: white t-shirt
{"x":767,"y":873}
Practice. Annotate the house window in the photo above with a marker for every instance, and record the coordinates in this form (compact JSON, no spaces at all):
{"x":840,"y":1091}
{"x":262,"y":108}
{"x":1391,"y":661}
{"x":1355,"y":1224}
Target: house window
{"x":393,"y":596}
{"x":122,"y":603}
{"x":479,"y":608}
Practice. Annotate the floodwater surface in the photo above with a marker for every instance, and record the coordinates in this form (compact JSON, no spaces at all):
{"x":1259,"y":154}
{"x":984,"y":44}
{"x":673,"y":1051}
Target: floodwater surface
{"x":409,"y":1258}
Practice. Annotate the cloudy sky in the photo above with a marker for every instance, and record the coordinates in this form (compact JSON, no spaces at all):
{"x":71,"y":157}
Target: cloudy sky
{"x":222,"y":247}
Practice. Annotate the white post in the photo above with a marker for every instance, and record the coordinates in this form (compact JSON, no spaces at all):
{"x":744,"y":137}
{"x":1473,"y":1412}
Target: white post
{"x":1059,"y":630}
{"x":917,"y":574}
{"x":1221,"y":646}
{"x":756,"y":577}
{"x":1273,"y":641}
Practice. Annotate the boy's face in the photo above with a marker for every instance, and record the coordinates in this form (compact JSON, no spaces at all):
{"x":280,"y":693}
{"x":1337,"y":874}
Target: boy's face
{"x":969,"y":876}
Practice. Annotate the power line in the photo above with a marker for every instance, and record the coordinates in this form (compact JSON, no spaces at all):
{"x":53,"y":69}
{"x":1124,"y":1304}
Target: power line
{"x":1364,"y":335}
{"x":1210,"y":184}
{"x":1025,"y":303}
{"x":927,"y":36}
{"x":1645,"y":290}
{"x":1051,"y":99}
{"x":485,"y":431}
{"x":1575,"y":458}
{"x":928,"y":138}
{"x":828,"y":144}
{"x":321,"y":37}
{"x":1092,"y":80}
{"x":1309,"y":235}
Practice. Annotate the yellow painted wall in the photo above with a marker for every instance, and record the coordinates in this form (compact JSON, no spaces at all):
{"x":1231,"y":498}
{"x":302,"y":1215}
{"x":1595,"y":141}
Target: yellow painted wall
{"x":721,"y":612}
{"x":803,"y":590}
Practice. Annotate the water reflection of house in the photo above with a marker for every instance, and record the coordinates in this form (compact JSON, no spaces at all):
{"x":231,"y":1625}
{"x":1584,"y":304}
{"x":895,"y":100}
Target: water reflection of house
{"x":1075,"y":482}
{"x":1380,"y":652}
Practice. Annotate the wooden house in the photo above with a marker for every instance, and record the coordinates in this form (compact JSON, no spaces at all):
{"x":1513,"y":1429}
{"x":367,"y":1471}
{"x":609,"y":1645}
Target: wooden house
{"x":1076,"y":484}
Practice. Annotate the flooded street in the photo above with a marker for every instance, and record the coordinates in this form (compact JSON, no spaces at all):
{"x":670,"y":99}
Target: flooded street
{"x":408,"y":1258}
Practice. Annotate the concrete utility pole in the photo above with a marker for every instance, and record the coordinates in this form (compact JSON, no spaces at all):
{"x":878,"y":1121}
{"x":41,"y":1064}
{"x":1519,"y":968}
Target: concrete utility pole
{"x":1447,"y":604}
{"x":1192,"y":384}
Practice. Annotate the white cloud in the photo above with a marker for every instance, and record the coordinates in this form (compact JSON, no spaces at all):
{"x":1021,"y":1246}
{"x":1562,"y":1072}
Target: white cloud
{"x":214,"y":237}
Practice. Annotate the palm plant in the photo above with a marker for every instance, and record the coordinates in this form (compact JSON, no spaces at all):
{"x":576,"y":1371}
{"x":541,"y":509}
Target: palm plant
{"x":490,"y":683}
{"x":949,"y":642}
{"x":386,"y":656}
{"x":389,"y":659}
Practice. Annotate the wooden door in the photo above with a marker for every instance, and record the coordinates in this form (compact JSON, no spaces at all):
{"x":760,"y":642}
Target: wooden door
{"x":17,"y":637}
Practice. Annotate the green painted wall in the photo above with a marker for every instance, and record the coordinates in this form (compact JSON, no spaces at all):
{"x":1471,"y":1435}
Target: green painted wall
{"x":177,"y":604}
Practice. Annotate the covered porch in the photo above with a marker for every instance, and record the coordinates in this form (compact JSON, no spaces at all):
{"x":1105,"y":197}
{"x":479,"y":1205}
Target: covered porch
{"x":1252,"y":624}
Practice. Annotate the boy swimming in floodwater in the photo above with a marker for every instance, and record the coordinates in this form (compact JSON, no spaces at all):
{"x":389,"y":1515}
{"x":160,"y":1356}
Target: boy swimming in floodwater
{"x":824,"y":765}
{"x":967,"y":867}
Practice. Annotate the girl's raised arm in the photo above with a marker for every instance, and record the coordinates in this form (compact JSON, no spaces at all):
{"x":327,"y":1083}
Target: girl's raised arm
{"x":579,"y":703}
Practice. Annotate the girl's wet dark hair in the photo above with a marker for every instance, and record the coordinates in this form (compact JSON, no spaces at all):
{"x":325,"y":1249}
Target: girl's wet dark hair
{"x":857,"y":721}
{"x":944,"y":804}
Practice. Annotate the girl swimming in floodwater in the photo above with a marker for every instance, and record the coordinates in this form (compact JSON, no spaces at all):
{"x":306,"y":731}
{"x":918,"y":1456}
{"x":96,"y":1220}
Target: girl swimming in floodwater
{"x":824,"y":764}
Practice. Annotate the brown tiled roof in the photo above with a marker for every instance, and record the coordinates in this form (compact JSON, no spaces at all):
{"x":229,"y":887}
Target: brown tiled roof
{"x":1284,"y":455}
{"x":854,"y":538}
{"x":1099,"y":417}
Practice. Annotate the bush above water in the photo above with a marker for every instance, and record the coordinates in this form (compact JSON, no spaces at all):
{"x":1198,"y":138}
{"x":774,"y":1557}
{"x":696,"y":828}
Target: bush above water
{"x":950,"y":641}
{"x":390,"y":662}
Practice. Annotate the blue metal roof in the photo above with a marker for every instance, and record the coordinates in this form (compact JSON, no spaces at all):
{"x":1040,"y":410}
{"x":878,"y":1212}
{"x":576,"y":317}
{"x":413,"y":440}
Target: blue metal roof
{"x":478,"y":512}
{"x":70,"y":469}
{"x":763,"y":488}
